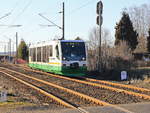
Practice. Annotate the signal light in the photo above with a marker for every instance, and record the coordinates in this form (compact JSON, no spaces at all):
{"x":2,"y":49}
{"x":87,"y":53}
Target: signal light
{"x":99,"y":11}
{"x":99,"y":8}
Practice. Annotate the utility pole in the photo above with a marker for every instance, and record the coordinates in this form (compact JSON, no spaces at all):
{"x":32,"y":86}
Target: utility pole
{"x":16,"y":47}
{"x":9,"y":49}
{"x":53,"y":24}
{"x":5,"y":53}
{"x":63,"y":23}
{"x":13,"y":49}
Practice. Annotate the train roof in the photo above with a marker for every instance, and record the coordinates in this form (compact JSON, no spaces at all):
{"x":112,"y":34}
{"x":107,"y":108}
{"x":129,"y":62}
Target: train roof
{"x":72,"y":41}
{"x":52,"y":42}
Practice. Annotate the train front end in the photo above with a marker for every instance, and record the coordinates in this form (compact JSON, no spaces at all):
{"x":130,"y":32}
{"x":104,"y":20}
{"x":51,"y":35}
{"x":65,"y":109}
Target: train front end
{"x":73,"y":57}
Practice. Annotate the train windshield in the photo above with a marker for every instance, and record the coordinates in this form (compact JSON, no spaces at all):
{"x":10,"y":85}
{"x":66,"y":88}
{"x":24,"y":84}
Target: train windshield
{"x":72,"y":51}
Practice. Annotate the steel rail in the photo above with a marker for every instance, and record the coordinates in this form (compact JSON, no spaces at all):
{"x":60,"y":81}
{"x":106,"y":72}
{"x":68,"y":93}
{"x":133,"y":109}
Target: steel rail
{"x":113,"y":84}
{"x":96,"y":101}
{"x":143,"y":96}
{"x":41,"y":91}
{"x":60,"y":101}
{"x":119,"y":85}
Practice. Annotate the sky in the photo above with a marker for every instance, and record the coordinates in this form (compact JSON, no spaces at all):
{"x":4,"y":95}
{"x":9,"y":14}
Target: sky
{"x":80,"y":18}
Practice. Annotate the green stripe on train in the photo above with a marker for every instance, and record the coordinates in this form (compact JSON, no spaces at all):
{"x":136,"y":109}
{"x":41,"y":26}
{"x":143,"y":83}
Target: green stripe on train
{"x":60,"y":70}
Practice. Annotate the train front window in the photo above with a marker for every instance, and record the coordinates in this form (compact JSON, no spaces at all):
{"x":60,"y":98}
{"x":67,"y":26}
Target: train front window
{"x":72,"y":51}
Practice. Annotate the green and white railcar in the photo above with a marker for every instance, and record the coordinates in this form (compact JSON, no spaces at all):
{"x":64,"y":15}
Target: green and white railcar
{"x":66,"y":57}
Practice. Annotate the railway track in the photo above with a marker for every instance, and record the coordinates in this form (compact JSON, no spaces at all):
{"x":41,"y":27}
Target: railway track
{"x":127,"y":89}
{"x":123,"y":86}
{"x":45,"y":92}
{"x":39,"y":85}
{"x":102,"y":84}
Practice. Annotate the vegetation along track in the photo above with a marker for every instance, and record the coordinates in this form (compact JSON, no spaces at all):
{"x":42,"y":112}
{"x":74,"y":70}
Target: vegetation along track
{"x":127,"y":89}
{"x":33,"y":83}
{"x":89,"y":88}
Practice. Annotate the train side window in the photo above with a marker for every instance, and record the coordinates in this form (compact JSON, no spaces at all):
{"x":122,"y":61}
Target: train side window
{"x":34,"y":54}
{"x":48,"y":52}
{"x":51,"y":50}
{"x":44,"y":54}
{"x":57,"y":52}
{"x":31,"y":53}
{"x":39,"y":54}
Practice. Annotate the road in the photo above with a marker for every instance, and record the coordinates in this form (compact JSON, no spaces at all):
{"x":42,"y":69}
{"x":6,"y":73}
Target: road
{"x":134,"y":108}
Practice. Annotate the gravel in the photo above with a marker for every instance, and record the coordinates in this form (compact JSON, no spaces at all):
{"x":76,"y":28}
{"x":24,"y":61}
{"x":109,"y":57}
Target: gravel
{"x":99,"y":93}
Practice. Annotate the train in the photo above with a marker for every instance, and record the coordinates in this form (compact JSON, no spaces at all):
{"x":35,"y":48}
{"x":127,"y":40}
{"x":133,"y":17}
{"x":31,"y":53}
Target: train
{"x":64,"y":57}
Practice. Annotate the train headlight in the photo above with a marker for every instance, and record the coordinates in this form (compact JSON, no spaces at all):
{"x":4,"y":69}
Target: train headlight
{"x":83,"y":58}
{"x":64,"y":58}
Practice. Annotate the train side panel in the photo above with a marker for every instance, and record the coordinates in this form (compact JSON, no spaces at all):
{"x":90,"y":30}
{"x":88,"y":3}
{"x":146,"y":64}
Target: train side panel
{"x":48,"y":57}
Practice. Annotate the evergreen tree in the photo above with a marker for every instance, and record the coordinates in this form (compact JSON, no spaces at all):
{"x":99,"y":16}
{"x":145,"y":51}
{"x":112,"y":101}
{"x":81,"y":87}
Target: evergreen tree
{"x":23,"y":50}
{"x":125,"y":32}
{"x":148,"y":41}
{"x":78,"y":38}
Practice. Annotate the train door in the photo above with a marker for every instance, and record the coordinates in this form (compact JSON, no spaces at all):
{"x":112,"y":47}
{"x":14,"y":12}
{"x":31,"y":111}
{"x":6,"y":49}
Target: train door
{"x":57,"y":57}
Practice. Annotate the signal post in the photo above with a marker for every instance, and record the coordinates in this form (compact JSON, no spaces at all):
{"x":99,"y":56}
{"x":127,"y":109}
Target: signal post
{"x":99,"y":21}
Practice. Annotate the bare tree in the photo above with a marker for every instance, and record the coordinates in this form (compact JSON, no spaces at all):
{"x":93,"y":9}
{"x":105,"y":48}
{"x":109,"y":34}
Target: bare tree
{"x":113,"y":57}
{"x":140,"y":17}
{"x":94,"y":37}
{"x":93,"y":46}
{"x":142,"y":45}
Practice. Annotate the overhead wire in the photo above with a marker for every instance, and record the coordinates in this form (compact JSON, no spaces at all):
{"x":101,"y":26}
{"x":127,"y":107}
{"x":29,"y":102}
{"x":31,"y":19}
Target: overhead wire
{"x":79,"y":8}
{"x":82,"y":6}
{"x":22,"y":11}
{"x":56,"y":13}
{"x":16,"y":4}
{"x":71,"y":12}
{"x":44,"y":14}
{"x":7,"y":14}
{"x":12,"y":10}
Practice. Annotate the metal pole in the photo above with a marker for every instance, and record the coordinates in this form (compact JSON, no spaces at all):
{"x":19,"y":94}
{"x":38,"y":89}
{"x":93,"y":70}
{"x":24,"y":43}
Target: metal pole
{"x":16,"y":47}
{"x":9,"y":44}
{"x":100,"y":51}
{"x":8,"y":51}
{"x":4,"y":53}
{"x":63,"y":24}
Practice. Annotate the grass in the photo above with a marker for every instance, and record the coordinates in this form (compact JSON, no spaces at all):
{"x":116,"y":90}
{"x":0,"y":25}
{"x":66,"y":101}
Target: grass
{"x":12,"y":101}
{"x":12,"y":104}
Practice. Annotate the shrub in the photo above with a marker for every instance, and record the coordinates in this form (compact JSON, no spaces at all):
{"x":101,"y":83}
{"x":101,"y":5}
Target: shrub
{"x":114,"y":59}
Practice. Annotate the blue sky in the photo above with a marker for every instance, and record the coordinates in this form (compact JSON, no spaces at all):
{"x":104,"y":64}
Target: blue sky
{"x":80,"y":18}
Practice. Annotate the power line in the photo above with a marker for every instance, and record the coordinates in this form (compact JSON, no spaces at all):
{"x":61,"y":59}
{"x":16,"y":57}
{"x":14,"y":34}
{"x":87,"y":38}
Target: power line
{"x":5,"y":15}
{"x":82,"y":6}
{"x":49,"y":21}
{"x":23,"y":10}
{"x":79,"y":8}
{"x":16,"y":4}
